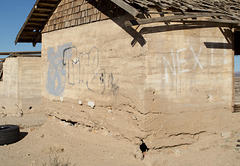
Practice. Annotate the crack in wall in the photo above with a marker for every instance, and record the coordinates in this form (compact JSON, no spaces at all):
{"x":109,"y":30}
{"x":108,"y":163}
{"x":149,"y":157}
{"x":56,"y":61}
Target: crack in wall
{"x":186,"y":134}
{"x":172,"y":146}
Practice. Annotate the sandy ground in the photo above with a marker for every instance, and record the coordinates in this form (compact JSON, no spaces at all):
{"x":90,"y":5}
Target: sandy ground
{"x":45,"y":137}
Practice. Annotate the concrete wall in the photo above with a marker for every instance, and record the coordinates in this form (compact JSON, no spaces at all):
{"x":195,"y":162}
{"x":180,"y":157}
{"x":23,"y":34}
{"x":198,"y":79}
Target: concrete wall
{"x":178,"y":82}
{"x":21,"y":85}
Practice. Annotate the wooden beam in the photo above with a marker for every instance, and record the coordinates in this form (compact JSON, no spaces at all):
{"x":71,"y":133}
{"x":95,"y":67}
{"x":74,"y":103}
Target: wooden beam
{"x":34,"y":23}
{"x":38,"y":19}
{"x":128,"y":8}
{"x":30,"y":33}
{"x":46,"y":4}
{"x":20,"y":52}
{"x":220,"y":22}
{"x":167,"y":18}
{"x":38,"y":39}
{"x":43,"y":9}
{"x":41,"y":14}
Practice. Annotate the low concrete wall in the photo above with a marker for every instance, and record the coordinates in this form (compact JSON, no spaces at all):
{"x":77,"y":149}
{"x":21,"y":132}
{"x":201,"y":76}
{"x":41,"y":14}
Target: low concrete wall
{"x":21,"y":85}
{"x":178,"y":82}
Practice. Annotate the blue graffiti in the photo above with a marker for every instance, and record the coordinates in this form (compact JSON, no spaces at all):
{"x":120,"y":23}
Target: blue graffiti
{"x":56,"y":79}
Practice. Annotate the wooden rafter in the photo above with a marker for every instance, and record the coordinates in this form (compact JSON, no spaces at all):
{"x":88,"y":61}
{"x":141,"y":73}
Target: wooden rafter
{"x":37,"y":19}
{"x":125,"y":6}
{"x":167,"y":18}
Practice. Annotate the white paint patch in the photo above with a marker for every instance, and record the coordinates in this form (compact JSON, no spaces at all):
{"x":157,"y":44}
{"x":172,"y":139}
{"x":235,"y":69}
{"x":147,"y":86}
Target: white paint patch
{"x":91,"y":104}
{"x":61,"y":99}
{"x":225,"y":61}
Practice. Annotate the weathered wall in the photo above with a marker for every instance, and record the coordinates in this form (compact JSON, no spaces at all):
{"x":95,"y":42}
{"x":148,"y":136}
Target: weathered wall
{"x":21,"y":85}
{"x":29,"y":84}
{"x":178,"y":82}
{"x":9,"y":84}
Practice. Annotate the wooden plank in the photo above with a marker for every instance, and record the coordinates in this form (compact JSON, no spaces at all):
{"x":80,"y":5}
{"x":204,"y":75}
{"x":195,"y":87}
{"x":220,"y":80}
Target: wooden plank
{"x":20,"y":52}
{"x":167,"y":18}
{"x":43,"y":9}
{"x":128,"y":8}
{"x":34,"y":23}
{"x":30,"y":33}
{"x":219,"y":21}
{"x":46,"y":4}
{"x":38,"y":19}
{"x":40,"y":14}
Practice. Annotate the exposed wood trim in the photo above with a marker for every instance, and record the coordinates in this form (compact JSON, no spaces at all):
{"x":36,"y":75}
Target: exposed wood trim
{"x":34,"y":23}
{"x":40,"y":14}
{"x":38,"y":19}
{"x":25,"y":23}
{"x":20,"y":52}
{"x":46,"y":4}
{"x":128,"y":8}
{"x":39,"y":23}
{"x":219,"y":22}
{"x":31,"y":33}
{"x":38,"y":39}
{"x":167,"y":18}
{"x":43,"y":9}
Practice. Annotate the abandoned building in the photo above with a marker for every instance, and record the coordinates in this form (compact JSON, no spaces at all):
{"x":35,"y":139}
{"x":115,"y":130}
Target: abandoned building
{"x":149,"y":70}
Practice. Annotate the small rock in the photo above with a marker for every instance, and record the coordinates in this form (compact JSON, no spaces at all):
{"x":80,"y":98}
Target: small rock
{"x":67,"y":124}
{"x":32,"y":128}
{"x":2,"y":115}
{"x":110,"y":111}
{"x":134,"y":117}
{"x":80,"y":102}
{"x":19,"y":114}
{"x":91,"y":104}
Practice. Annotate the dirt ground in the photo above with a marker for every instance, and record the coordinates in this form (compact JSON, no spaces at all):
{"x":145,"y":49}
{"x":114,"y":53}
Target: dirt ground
{"x":44,"y":138}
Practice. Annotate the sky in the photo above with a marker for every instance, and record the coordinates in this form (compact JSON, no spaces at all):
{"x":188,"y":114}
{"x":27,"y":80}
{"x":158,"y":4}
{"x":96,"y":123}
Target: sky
{"x":13,"y":15}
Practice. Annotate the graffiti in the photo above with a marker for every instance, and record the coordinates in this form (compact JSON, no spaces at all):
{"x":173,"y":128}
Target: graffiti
{"x":56,"y":72}
{"x":83,"y":68}
{"x":75,"y":68}
{"x":175,"y":66}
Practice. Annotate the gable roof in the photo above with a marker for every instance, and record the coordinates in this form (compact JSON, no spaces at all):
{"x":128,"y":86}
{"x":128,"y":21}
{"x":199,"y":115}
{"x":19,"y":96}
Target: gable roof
{"x":221,"y":12}
{"x":36,"y":20}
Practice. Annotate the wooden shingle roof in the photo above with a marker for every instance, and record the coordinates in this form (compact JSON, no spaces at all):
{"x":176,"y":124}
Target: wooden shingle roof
{"x":217,"y":12}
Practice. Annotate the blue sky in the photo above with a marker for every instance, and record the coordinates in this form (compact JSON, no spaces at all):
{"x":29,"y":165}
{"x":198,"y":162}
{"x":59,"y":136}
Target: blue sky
{"x":237,"y":63}
{"x":13,"y":15}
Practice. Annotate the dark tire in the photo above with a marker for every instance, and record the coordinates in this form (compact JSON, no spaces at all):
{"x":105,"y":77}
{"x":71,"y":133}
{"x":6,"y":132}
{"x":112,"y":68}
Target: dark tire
{"x":9,"y":134}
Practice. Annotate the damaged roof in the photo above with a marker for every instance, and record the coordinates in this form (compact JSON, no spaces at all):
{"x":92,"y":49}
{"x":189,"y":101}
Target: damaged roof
{"x":221,"y":12}
{"x":36,"y":20}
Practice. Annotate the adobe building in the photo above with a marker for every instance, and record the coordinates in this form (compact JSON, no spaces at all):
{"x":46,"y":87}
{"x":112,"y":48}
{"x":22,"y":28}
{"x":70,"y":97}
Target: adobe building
{"x":160,"y":72}
{"x":20,"y":82}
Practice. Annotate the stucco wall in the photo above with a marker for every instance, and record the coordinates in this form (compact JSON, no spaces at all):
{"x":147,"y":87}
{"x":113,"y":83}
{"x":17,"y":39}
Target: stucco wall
{"x":21,"y":85}
{"x":178,"y":82}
